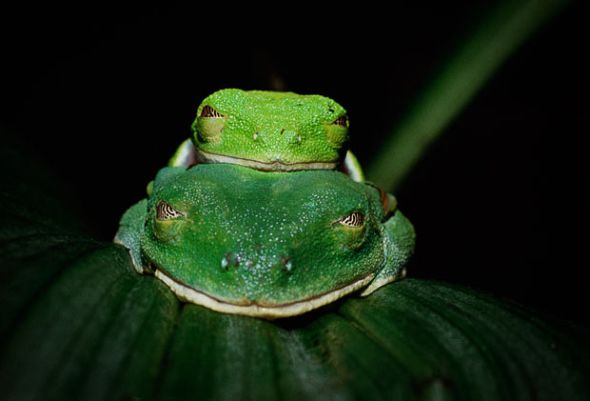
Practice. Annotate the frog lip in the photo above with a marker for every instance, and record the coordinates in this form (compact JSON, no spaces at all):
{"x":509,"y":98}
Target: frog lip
{"x":275,"y":165}
{"x":287,"y":309}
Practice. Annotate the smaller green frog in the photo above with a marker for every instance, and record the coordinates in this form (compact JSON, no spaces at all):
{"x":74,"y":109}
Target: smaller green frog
{"x":270,"y":131}
{"x":243,"y":241}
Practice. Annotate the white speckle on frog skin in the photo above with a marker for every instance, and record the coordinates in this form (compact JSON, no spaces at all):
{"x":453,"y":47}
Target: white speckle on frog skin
{"x":225,"y":262}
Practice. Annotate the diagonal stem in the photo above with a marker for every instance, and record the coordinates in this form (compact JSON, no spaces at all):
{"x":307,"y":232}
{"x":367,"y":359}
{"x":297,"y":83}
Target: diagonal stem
{"x":459,"y":80}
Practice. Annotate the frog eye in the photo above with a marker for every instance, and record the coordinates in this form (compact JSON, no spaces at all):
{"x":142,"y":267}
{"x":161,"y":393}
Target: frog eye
{"x":337,"y":131}
{"x":166,"y":212}
{"x":341,"y":121}
{"x":209,"y":111}
{"x":355,"y":219}
{"x":209,"y":125}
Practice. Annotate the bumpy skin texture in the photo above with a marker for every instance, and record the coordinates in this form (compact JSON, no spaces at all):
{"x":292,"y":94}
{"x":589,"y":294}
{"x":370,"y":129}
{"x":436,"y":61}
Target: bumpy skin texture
{"x":271,"y":130}
{"x":261,"y":240}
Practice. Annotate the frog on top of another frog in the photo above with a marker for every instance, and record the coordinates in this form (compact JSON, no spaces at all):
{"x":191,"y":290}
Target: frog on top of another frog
{"x":254,"y":215}
{"x":270,"y":131}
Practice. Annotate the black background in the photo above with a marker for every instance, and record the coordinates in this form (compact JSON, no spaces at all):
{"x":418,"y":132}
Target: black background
{"x":103,"y":95}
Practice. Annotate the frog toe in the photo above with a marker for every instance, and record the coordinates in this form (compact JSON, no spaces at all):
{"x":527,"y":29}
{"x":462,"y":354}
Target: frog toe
{"x":130,"y":231}
{"x":384,"y":277}
{"x":185,"y":156}
{"x":398,"y":246}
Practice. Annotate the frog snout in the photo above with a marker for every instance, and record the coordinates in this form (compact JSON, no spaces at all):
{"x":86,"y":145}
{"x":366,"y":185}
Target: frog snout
{"x":292,"y":137}
{"x":285,"y":135}
{"x":232,"y":261}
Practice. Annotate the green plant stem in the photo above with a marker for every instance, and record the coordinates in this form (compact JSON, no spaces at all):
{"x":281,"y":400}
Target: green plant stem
{"x":458,"y":81}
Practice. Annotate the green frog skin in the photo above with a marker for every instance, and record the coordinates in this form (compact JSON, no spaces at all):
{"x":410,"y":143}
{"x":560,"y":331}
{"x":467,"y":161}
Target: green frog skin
{"x":242,"y":241}
{"x":269,"y":131}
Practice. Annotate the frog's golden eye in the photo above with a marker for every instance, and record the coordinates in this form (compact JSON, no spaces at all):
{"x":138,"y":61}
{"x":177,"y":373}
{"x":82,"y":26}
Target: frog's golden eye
{"x":209,"y":111}
{"x":341,"y":121}
{"x":166,"y":212}
{"x":355,"y":219}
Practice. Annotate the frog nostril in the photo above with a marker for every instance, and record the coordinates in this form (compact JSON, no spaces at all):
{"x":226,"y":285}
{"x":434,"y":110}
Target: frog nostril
{"x":225,"y":261}
{"x":287,"y":263}
{"x":291,"y":136}
{"x":231,"y":259}
{"x":238,"y":261}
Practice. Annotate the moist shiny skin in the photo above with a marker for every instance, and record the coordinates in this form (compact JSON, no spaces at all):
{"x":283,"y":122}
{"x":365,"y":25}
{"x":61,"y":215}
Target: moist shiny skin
{"x":260,"y":241}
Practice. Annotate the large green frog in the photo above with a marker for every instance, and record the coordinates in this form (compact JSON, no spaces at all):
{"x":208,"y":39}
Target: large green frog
{"x":239,"y":240}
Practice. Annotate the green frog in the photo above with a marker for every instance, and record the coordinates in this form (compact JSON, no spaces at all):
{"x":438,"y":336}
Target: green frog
{"x":270,"y":131}
{"x":243,"y":241}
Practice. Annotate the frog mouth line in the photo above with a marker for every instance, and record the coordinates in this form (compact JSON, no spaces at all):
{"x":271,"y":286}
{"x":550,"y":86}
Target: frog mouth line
{"x":264,"y":166}
{"x":194,"y":296}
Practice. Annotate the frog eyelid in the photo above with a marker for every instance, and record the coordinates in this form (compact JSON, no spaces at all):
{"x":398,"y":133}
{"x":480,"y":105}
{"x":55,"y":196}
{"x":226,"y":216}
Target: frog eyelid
{"x":353,"y":220}
{"x":341,"y":121}
{"x":164,"y":211}
{"x":208,"y":111}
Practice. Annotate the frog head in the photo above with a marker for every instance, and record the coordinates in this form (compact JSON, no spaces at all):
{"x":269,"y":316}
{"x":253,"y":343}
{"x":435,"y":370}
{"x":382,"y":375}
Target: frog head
{"x":280,"y":246}
{"x":271,"y":130}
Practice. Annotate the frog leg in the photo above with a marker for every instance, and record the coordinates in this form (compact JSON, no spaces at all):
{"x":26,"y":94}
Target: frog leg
{"x":185,"y":155}
{"x":351,"y":167}
{"x":398,"y":245}
{"x":130,"y":232}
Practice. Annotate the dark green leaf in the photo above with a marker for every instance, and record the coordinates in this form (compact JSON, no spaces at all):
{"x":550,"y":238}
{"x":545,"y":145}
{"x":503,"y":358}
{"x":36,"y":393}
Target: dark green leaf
{"x":79,"y":324}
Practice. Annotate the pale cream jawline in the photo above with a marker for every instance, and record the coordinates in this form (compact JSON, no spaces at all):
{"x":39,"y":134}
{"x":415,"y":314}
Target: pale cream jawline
{"x":273,"y":166}
{"x":269,"y":312}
